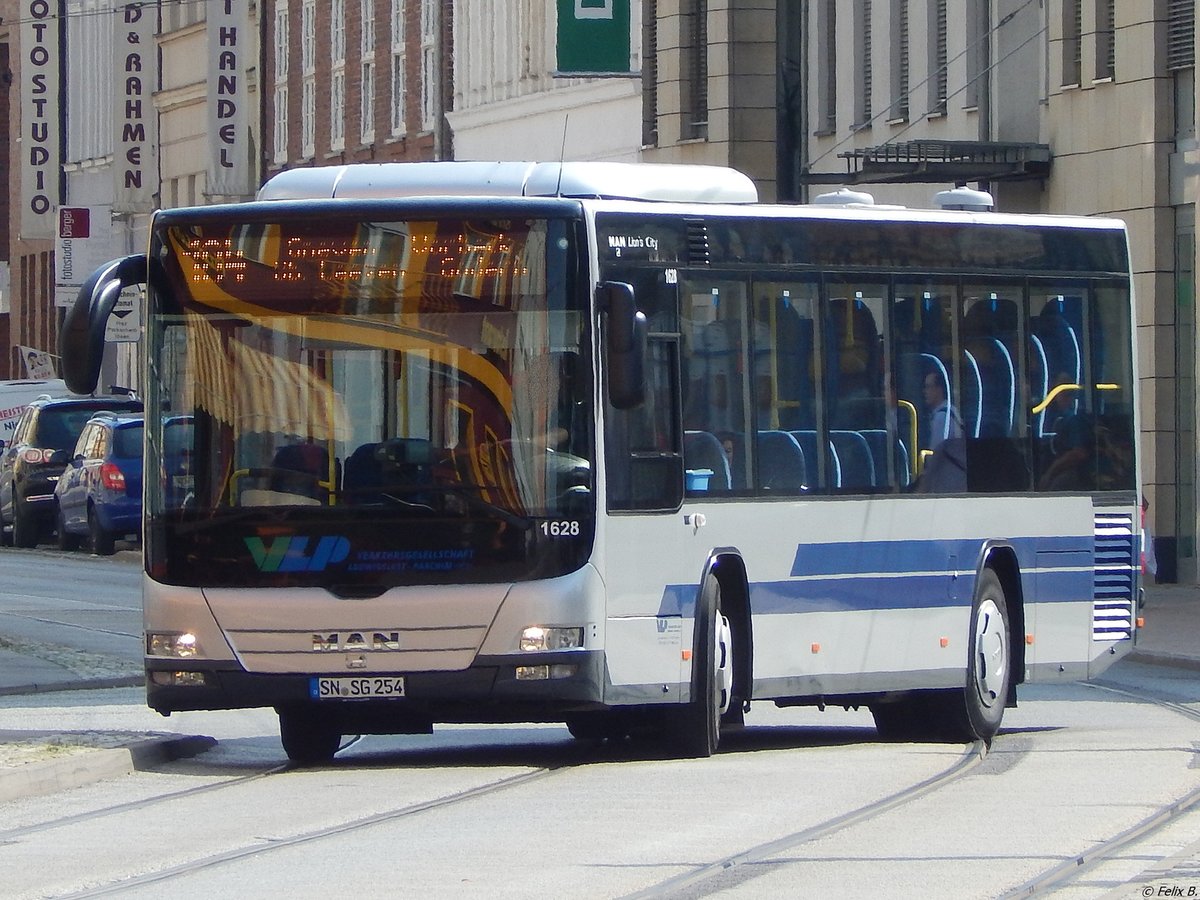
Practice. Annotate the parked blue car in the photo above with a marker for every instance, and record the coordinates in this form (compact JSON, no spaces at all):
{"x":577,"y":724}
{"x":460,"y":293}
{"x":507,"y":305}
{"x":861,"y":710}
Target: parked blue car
{"x":100,"y":492}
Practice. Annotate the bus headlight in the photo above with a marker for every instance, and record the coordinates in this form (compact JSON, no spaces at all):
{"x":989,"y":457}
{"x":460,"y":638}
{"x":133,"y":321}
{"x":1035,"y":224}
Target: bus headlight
{"x":537,"y":638}
{"x":171,"y":644}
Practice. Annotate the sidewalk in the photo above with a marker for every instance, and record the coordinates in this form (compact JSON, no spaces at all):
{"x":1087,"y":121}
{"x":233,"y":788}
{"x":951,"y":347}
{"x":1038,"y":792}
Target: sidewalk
{"x":33,"y":763}
{"x":1171,"y":633}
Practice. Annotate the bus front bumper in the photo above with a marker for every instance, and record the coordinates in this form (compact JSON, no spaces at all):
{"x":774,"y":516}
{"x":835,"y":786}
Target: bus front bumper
{"x":526,"y":688}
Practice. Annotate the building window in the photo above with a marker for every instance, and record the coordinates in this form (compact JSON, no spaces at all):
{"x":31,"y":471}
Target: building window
{"x":649,"y":73}
{"x":1072,"y":45}
{"x":1181,"y":34}
{"x":308,"y":83}
{"x":827,"y":67}
{"x":1106,"y":42}
{"x":367,"y":51}
{"x":399,"y":61}
{"x":337,"y":75}
{"x":899,"y":107}
{"x":979,"y":51}
{"x":863,"y":111}
{"x":939,"y":58}
{"x":430,"y":82}
{"x":694,"y":69}
{"x":280,"y":136}
{"x":182,"y":13}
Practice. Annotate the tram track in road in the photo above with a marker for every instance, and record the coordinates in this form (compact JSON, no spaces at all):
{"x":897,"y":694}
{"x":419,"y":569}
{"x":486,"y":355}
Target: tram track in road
{"x":698,"y":878}
{"x":1071,"y":869}
{"x":11,"y":834}
{"x":268,"y":845}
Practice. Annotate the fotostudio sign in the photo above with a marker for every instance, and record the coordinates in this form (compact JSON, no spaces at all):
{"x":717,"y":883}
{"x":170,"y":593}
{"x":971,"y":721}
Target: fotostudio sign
{"x":40,"y":148}
{"x":593,"y":37}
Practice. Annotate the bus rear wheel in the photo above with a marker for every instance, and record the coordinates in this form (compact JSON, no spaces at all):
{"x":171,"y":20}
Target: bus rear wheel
{"x":698,"y":726}
{"x":975,"y":712}
{"x":308,"y":737}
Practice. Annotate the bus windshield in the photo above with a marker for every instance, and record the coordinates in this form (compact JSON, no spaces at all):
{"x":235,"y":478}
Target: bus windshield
{"x":366,"y":403}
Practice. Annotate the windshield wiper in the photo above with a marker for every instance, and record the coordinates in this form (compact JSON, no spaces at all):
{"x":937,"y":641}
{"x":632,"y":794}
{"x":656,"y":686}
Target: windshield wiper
{"x":470,"y":493}
{"x":380,"y":494}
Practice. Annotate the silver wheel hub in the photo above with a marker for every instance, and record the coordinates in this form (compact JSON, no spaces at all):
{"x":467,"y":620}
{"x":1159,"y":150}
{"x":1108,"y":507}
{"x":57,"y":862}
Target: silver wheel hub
{"x":723,"y":663}
{"x":991,"y":654}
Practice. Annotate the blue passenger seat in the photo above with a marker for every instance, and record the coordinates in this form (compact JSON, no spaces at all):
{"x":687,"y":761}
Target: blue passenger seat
{"x":781,"y":463}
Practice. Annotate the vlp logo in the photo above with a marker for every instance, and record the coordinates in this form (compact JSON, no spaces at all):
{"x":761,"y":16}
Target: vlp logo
{"x":291,"y":554}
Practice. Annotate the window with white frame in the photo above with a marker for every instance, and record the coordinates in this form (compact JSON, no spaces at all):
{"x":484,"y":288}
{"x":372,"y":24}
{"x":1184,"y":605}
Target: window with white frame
{"x":939,"y":58}
{"x":367,"y":48}
{"x":693,"y":88}
{"x":1106,"y":43}
{"x":280,"y":136}
{"x":337,"y":75}
{"x":308,"y":83}
{"x":430,"y":82}
{"x":826,"y":33}
{"x":1181,"y":34}
{"x":399,"y":61}
{"x":862,"y":100}
{"x":899,"y":107}
{"x":182,"y":13}
{"x":979,"y":52}
{"x":1072,"y":43}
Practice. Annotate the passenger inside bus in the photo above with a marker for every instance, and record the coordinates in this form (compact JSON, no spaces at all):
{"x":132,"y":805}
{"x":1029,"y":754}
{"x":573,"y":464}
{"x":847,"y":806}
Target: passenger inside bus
{"x":301,"y":469}
{"x":944,"y":422}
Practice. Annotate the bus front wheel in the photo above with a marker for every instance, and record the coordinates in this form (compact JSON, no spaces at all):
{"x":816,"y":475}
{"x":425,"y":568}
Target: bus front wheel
{"x":308,"y":737}
{"x":699,"y":721}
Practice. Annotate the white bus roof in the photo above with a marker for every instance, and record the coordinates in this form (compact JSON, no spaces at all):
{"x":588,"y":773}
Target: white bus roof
{"x":613,"y":180}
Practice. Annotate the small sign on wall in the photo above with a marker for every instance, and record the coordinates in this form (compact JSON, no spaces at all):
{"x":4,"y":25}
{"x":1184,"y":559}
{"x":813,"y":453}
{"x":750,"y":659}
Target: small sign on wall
{"x":593,"y":37}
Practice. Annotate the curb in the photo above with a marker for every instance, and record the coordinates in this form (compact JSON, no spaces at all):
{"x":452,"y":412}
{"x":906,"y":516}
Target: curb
{"x":82,"y":684}
{"x":1169,"y":660}
{"x":37,"y":779}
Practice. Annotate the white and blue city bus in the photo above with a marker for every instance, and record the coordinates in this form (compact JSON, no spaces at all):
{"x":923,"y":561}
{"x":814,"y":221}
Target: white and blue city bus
{"x":619,"y":446}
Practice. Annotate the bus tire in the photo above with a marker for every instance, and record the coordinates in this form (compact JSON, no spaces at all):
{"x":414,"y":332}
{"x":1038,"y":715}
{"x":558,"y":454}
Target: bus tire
{"x":698,"y":731}
{"x":308,"y":737}
{"x":975,"y":712}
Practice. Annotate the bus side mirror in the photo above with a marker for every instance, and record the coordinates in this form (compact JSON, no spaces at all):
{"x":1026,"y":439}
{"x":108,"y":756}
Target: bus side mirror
{"x":625,"y":336}
{"x":81,"y":340}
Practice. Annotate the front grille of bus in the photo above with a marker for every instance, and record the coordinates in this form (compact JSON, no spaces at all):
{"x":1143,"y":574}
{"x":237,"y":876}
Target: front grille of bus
{"x":1114,"y":583}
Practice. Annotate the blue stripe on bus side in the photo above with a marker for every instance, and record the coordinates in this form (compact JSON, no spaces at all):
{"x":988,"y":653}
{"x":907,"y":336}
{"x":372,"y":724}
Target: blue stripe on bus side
{"x":900,"y":557}
{"x":876,"y":575}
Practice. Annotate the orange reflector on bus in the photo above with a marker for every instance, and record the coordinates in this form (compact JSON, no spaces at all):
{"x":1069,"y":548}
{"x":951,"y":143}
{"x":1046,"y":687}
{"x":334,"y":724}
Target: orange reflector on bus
{"x":945,"y":642}
{"x":687,"y":655}
{"x":816,"y":648}
{"x":1029,"y":639}
{"x":1141,"y":621}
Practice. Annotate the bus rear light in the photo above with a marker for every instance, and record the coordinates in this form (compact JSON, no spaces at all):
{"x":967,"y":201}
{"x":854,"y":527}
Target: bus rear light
{"x":537,"y":638}
{"x":178,"y":679}
{"x":171,"y":644}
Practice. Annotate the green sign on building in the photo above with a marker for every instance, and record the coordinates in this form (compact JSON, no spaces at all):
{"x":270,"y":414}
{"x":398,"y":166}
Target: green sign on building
{"x":593,"y":36}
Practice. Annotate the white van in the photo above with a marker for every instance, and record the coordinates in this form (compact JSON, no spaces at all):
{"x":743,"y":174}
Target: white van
{"x":16,"y":395}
